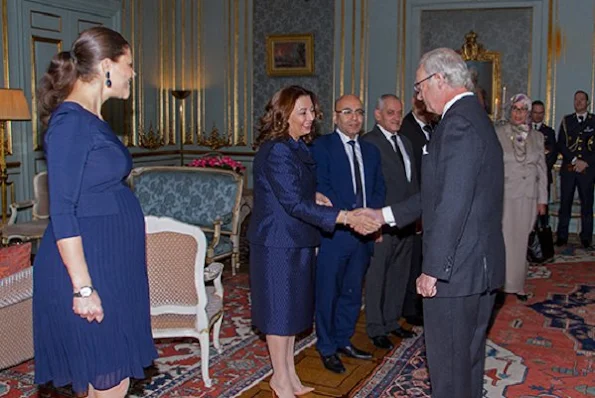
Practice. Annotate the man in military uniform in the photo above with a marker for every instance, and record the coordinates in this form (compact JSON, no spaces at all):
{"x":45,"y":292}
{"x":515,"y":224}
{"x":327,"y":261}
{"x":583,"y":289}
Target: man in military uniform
{"x":551,"y":151}
{"x":576,"y":142}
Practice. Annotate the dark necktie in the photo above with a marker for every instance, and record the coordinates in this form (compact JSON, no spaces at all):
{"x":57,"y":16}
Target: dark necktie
{"x":398,"y":151}
{"x":580,"y":119}
{"x":359,"y":192}
{"x":535,"y":126}
{"x":428,"y":129}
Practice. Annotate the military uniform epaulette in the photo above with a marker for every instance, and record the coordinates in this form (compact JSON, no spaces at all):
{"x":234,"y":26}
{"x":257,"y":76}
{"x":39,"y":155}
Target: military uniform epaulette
{"x":581,"y":136}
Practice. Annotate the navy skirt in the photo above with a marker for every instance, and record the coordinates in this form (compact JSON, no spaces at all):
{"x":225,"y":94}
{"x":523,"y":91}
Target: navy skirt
{"x":282,"y":289}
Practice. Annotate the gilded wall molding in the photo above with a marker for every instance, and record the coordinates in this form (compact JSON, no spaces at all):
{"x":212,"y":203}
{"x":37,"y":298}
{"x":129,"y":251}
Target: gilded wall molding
{"x":242,"y":136}
{"x":363,"y":55}
{"x":549,"y":72}
{"x":342,"y":52}
{"x":6,"y":70}
{"x":34,"y":78}
{"x":401,"y":63}
{"x":180,"y":65}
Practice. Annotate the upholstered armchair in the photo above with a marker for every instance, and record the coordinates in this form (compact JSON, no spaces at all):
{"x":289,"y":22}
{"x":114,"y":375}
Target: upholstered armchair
{"x":207,"y":198}
{"x":181,"y":304}
{"x":40,"y":211}
{"x":16,"y":319}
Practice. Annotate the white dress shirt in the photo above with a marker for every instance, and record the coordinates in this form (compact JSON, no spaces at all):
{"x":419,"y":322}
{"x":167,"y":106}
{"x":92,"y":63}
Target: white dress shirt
{"x":358,"y":153}
{"x":421,"y":125}
{"x":401,"y":149}
{"x":387,"y":213}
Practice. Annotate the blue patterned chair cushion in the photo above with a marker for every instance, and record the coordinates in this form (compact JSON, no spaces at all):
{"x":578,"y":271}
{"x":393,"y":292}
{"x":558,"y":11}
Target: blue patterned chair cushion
{"x":225,"y":245}
{"x":191,"y":195}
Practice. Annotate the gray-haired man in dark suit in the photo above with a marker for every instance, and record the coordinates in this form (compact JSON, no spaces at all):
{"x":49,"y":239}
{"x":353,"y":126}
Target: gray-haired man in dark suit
{"x":461,"y":205}
{"x":388,"y":274}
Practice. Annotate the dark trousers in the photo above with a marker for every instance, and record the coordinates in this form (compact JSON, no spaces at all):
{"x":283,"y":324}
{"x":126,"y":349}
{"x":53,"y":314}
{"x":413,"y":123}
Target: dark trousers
{"x":568,"y":182}
{"x":413,"y":308}
{"x":340,"y":270}
{"x":386,"y":284}
{"x":455,"y":332}
{"x":545,"y":219}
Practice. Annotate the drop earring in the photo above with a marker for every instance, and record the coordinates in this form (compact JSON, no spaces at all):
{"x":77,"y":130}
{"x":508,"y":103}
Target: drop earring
{"x":108,"y":82}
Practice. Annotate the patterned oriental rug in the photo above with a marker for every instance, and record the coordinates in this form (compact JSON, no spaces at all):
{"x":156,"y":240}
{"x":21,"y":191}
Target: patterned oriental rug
{"x":542,"y":348}
{"x":177,"y":373}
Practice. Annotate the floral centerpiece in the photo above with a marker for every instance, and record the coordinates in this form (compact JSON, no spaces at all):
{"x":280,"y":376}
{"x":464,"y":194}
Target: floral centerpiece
{"x":219,"y":162}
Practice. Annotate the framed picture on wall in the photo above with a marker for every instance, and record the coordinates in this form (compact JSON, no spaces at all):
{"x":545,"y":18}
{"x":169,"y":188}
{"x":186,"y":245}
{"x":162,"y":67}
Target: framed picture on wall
{"x":484,"y":66}
{"x":290,"y":55}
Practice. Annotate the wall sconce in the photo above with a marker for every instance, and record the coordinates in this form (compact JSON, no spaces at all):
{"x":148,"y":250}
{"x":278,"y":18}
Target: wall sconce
{"x":13,"y":106}
{"x":181,"y":95}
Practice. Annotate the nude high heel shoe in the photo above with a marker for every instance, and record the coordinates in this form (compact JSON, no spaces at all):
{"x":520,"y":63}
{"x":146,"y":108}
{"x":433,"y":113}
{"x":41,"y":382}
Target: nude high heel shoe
{"x":305,"y":391}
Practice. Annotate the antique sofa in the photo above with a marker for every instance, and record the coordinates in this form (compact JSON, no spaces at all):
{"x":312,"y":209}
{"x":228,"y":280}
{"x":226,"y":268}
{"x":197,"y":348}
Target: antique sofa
{"x":16,"y":292}
{"x":205,"y":197}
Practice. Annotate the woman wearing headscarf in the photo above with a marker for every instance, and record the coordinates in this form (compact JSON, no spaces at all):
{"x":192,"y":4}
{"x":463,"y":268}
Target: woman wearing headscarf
{"x":525,"y":189}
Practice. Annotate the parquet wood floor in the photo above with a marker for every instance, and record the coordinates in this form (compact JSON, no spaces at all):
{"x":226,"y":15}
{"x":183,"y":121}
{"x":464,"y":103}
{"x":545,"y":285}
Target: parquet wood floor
{"x":329,"y":384}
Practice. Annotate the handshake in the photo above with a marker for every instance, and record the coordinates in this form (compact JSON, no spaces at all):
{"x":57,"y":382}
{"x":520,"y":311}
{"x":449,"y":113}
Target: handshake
{"x":363,"y":221}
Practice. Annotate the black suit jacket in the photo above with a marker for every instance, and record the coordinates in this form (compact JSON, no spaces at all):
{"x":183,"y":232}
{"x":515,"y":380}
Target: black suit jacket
{"x":462,"y":191}
{"x":410,"y":129}
{"x":549,"y":141}
{"x":395,"y":177}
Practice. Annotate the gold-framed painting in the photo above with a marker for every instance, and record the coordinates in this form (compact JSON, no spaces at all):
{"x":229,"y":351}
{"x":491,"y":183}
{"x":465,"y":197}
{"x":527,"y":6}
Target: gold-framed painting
{"x":290,"y":55}
{"x":484,"y":66}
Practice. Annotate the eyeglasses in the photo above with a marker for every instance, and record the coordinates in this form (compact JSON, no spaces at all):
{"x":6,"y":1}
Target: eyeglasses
{"x":349,"y":112}
{"x":417,"y":85}
{"x":517,"y":109}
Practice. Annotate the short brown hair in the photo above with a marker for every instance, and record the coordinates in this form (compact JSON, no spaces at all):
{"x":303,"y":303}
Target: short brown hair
{"x":274,"y":124}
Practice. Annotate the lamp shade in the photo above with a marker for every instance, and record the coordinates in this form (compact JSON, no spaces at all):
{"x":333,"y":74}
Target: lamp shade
{"x":13,"y":105}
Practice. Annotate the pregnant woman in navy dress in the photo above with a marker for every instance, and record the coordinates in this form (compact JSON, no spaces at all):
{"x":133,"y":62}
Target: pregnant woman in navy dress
{"x":284,"y":232}
{"x":91,"y":323}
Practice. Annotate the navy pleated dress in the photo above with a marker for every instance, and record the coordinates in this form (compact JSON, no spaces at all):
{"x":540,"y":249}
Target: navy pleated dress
{"x":283,"y":234}
{"x":87,"y":165}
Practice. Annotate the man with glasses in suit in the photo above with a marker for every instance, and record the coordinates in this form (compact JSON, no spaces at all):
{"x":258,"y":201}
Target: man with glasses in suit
{"x":417,"y":126}
{"x":461,"y":202}
{"x":349,"y":174}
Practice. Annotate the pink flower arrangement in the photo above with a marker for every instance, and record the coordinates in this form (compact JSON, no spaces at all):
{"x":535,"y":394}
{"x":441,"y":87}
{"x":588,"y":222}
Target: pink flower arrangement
{"x":219,"y":162}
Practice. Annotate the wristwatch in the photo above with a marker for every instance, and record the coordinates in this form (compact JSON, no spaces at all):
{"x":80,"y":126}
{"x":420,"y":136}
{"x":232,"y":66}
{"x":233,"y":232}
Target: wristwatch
{"x":85,"y":291}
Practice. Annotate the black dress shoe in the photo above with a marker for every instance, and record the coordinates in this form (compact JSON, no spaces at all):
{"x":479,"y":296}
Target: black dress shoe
{"x":522,"y":297}
{"x":404,"y":334}
{"x":536,"y":260}
{"x":561,"y":242}
{"x":333,"y":363}
{"x":586,"y":244}
{"x":415,"y":320}
{"x":354,"y":352}
{"x":382,"y":342}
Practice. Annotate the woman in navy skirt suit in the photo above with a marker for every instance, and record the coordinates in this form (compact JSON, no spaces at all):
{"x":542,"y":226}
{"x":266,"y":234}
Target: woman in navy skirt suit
{"x":285,"y":230}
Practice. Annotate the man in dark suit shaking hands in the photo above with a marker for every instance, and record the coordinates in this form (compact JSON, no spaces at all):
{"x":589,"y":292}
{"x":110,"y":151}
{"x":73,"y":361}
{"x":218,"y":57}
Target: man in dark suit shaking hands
{"x":461,"y":205}
{"x":388,"y":273}
{"x":349,"y":173}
